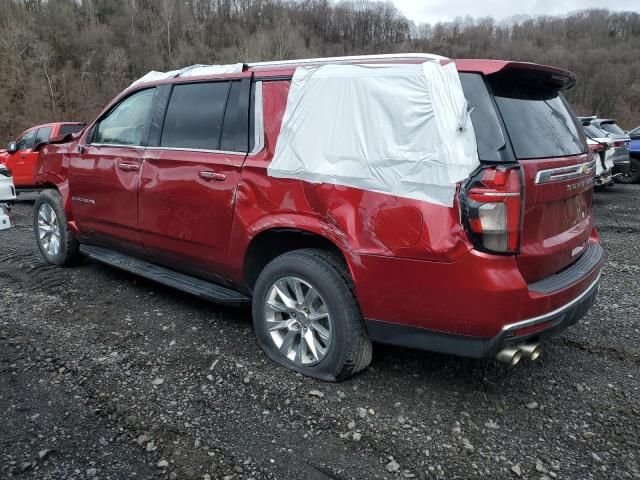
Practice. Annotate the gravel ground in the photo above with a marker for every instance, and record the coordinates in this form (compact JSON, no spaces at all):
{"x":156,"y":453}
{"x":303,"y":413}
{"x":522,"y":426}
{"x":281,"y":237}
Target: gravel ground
{"x":105,"y":375}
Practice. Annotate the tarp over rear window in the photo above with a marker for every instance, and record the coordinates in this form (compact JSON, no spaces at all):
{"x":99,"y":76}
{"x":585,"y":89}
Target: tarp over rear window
{"x":398,"y":129}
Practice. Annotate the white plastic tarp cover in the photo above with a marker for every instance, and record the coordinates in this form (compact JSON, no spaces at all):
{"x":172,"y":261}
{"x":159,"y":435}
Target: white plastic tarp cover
{"x":398,"y":129}
{"x":192,"y":71}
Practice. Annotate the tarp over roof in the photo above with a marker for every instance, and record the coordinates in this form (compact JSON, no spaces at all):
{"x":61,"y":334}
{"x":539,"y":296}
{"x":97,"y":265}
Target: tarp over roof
{"x":192,"y":71}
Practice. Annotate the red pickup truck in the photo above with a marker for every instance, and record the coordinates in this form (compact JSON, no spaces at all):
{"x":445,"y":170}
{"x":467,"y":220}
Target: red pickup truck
{"x":20,"y":157}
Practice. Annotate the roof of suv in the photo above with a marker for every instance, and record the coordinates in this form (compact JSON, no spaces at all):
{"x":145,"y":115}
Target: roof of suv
{"x":288,"y":67}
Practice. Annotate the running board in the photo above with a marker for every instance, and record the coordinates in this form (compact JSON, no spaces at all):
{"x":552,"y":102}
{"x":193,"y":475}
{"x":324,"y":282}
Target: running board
{"x":195,"y":286}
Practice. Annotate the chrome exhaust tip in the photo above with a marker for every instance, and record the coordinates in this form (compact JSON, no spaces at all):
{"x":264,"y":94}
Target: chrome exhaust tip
{"x":532,"y":350}
{"x":510,"y":355}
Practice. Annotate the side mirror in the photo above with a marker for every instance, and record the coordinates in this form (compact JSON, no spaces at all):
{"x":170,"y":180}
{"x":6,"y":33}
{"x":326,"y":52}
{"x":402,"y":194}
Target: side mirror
{"x":12,"y":148}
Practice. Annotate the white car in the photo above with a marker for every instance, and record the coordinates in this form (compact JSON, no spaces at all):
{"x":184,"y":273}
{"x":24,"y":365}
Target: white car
{"x":7,"y":197}
{"x":603,"y":150}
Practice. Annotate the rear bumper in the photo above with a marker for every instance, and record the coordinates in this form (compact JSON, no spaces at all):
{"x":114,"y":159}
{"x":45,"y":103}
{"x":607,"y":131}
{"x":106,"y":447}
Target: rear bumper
{"x":525,"y":331}
{"x":472,"y":307}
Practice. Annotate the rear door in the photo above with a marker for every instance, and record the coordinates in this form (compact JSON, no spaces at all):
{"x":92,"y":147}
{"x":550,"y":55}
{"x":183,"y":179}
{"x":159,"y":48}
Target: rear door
{"x":190,"y":172}
{"x":542,"y":134}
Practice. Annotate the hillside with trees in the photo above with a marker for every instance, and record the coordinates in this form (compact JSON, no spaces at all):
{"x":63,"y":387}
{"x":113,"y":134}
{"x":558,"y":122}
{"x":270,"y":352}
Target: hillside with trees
{"x":64,"y":59}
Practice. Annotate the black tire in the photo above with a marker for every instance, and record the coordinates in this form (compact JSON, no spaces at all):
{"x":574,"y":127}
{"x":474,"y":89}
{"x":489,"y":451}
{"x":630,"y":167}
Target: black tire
{"x":634,"y":172}
{"x":68,"y":252}
{"x":350,"y":349}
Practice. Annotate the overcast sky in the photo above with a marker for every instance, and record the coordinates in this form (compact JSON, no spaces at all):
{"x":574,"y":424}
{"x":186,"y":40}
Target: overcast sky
{"x":432,"y":11}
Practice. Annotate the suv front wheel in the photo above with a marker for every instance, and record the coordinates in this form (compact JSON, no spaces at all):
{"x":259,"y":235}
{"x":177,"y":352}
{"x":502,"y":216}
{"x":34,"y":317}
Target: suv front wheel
{"x":55,"y":241}
{"x":306,"y":316}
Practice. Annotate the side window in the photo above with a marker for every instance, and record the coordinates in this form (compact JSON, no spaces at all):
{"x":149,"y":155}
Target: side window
{"x":26,"y":141}
{"x":484,"y":117}
{"x":71,"y":128}
{"x":194,"y":116}
{"x":235,"y":132}
{"x":124,"y":125}
{"x":44,"y":134}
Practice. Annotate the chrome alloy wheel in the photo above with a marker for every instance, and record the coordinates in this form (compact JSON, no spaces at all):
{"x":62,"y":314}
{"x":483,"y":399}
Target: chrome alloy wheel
{"x":48,"y":230}
{"x":298,"y":320}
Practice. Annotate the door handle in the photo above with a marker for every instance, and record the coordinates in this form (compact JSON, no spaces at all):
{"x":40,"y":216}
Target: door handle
{"x":209,"y":176}
{"x":128,"y":167}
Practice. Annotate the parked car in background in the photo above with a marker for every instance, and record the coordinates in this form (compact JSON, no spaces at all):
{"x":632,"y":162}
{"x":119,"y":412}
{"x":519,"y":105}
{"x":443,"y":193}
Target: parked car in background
{"x":619,"y":139}
{"x":634,"y":151}
{"x":7,"y":197}
{"x":268,"y":185}
{"x":20,"y":157}
{"x":602,"y":153}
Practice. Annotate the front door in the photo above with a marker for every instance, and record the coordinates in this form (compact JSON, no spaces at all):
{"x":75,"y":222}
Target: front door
{"x":189,"y":178}
{"x":104,"y":173}
{"x":22,"y":161}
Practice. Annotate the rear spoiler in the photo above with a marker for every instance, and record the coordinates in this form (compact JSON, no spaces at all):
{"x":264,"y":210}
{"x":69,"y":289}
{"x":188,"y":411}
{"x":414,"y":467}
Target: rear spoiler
{"x":546,"y":76}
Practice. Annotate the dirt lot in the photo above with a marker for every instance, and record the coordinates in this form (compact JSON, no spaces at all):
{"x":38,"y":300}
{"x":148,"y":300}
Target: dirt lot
{"x":105,"y":375}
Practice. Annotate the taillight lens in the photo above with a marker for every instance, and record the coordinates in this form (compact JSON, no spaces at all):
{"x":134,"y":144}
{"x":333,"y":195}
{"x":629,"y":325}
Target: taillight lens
{"x":492,"y":209}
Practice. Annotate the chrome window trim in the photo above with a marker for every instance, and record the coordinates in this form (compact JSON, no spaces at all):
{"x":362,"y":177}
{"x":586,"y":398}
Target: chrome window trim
{"x":198,"y":150}
{"x":258,"y":121}
{"x":258,"y":134}
{"x":565,"y":173}
{"x":117,"y":145}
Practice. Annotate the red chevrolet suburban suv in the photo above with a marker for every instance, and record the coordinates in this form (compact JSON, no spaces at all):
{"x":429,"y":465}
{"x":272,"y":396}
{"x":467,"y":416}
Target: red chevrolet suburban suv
{"x":172,"y":181}
{"x":20,"y":156}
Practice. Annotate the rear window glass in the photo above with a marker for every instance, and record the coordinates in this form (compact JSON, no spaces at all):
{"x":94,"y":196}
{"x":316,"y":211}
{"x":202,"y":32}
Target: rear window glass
{"x":537,"y":118}
{"x":194,"y":116}
{"x":593,"y":132}
{"x":66,"y":129}
{"x":44,"y":134}
{"x":612,"y":128}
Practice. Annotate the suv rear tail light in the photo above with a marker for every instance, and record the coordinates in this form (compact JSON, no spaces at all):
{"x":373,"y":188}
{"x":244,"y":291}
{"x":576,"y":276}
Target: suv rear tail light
{"x":492,"y":209}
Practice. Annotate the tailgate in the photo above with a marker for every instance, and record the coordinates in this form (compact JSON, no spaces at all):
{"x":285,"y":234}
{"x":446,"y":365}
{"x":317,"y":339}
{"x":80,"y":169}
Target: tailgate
{"x":557,"y":220}
{"x":529,"y":122}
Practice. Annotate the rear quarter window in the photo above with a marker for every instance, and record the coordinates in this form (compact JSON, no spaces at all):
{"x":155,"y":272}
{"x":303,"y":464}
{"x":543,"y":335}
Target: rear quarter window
{"x":484,"y":117}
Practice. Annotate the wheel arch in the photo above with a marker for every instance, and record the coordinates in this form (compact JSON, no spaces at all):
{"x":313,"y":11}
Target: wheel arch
{"x":54,"y":182}
{"x":272,"y":242}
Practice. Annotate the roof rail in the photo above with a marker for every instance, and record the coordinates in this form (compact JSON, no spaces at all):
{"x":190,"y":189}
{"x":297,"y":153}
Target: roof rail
{"x":348,"y":59}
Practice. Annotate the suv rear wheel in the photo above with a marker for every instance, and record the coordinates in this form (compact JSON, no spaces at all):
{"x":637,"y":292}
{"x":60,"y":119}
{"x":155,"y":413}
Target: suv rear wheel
{"x":306,"y":316}
{"x":55,"y":241}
